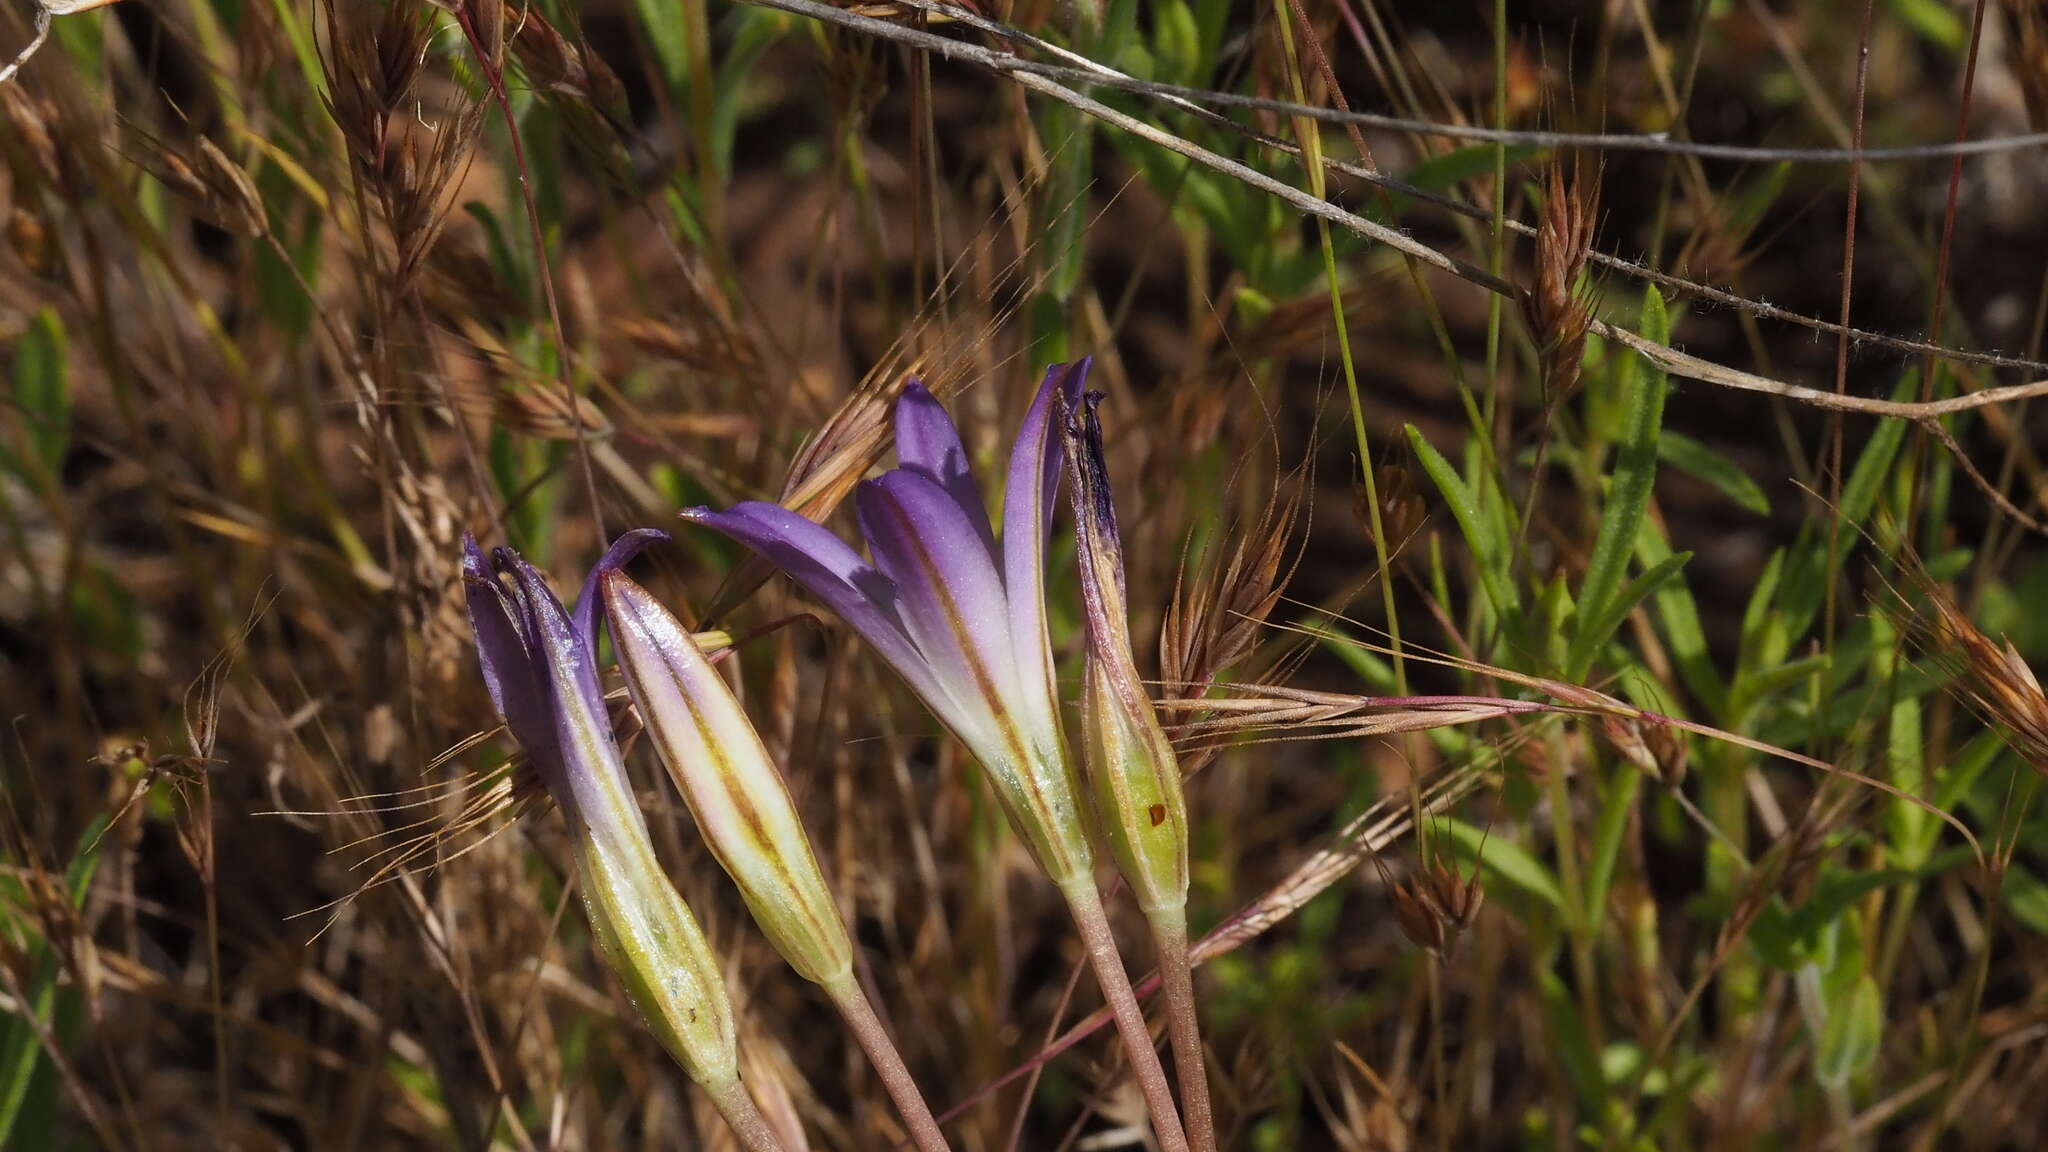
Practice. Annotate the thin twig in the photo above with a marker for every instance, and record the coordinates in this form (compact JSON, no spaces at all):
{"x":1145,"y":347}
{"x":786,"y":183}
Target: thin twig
{"x":1655,"y":142}
{"x":34,"y":45}
{"x":1665,"y":357}
{"x":1435,"y":199}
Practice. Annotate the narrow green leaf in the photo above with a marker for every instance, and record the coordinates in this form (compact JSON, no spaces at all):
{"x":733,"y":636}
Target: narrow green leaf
{"x":1595,"y":632}
{"x":292,"y":19}
{"x":1684,"y":635}
{"x":1487,"y":552}
{"x":2026,"y":899}
{"x":667,"y":30}
{"x":1703,"y":463}
{"x":752,"y":32}
{"x":42,"y":393}
{"x":1849,"y":1038}
{"x":1628,"y":496}
{"x":21,"y":1049}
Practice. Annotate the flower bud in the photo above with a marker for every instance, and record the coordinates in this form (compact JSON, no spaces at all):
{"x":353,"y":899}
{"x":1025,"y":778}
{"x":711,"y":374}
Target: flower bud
{"x":718,"y":762}
{"x":1131,"y":764}
{"x":540,"y":665}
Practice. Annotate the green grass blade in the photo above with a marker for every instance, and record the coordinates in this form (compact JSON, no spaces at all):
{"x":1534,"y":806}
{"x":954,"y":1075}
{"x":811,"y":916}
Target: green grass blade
{"x":1628,"y":498}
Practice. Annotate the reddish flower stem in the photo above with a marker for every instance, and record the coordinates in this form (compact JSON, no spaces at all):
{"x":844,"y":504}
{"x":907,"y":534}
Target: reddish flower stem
{"x":744,"y":1117}
{"x":1170,"y":937}
{"x":867,"y":1028}
{"x":1086,"y":904}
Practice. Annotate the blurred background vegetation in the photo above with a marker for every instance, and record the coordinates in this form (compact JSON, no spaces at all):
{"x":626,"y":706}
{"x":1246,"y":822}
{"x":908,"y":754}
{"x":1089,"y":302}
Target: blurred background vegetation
{"x":295,"y":293}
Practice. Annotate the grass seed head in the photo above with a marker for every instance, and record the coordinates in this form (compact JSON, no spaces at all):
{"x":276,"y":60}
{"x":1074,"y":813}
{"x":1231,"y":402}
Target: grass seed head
{"x":1435,"y":906}
{"x":1557,"y":308}
{"x":1989,"y":674}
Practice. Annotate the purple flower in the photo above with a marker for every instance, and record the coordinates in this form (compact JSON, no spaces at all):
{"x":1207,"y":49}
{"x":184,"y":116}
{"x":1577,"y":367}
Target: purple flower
{"x":540,"y":664}
{"x":958,"y":612}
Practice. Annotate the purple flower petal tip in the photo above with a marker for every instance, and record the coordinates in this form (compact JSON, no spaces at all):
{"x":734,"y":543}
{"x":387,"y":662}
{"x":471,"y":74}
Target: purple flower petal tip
{"x":621,"y":552}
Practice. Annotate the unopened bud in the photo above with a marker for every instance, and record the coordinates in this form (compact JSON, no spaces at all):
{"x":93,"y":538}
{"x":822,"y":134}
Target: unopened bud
{"x":719,"y":764}
{"x":1131,"y":763}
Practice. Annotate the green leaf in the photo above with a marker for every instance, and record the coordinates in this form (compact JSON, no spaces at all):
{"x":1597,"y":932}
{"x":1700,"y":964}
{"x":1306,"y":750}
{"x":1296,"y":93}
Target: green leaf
{"x":1595,"y":633}
{"x":1703,"y":463}
{"x":1934,"y":21}
{"x":1444,"y":173}
{"x":1489,"y":549}
{"x":1789,"y":938}
{"x":1176,"y":41}
{"x":506,"y":260}
{"x":1503,"y":861}
{"x":1849,"y":1037}
{"x":1628,"y":497}
{"x":2026,"y":899}
{"x":753,"y":32}
{"x":42,"y":393}
{"x":292,"y":19}
{"x":21,"y":1050}
{"x":667,"y":30}
{"x":1683,"y":632}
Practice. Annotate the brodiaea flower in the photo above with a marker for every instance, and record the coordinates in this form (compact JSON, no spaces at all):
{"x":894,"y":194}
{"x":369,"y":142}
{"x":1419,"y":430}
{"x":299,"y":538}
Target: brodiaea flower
{"x":1132,"y":769}
{"x":958,"y":613}
{"x":540,"y":665}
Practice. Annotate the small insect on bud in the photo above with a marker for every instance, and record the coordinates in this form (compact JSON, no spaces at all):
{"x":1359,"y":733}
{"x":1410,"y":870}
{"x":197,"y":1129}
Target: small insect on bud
{"x":718,"y":763}
{"x":1130,"y":762}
